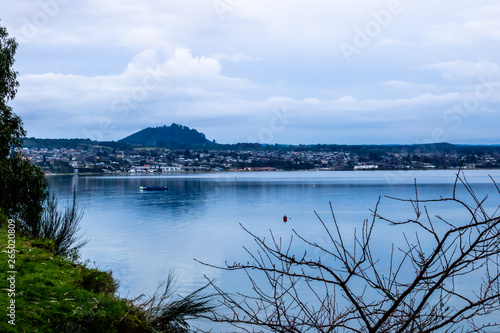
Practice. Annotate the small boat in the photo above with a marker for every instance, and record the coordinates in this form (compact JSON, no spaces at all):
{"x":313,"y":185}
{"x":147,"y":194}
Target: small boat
{"x":153,"y":188}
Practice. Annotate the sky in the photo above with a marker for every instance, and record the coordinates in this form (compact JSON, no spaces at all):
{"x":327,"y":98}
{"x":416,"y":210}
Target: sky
{"x":267,"y":71}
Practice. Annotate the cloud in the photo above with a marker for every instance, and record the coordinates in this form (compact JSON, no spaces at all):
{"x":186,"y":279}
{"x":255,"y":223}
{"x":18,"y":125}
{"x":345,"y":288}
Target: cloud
{"x":467,"y":33}
{"x":148,"y":82}
{"x":473,"y":26}
{"x":114,"y":67}
{"x":462,"y":69}
{"x":407,"y":88}
{"x":392,"y":42}
{"x":237,"y":57}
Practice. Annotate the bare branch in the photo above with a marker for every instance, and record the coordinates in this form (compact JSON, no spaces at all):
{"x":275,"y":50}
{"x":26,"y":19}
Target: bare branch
{"x":414,"y":288}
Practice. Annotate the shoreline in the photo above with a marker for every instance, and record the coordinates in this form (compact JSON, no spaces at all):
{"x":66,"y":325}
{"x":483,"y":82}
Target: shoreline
{"x":246,"y":171}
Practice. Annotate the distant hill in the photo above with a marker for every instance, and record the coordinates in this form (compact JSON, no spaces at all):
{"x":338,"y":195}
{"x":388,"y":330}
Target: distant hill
{"x":78,"y":144}
{"x":174,"y":136}
{"x":57,"y":143}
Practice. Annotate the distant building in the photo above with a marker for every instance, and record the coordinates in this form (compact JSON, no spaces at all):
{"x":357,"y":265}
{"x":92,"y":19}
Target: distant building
{"x":170,"y":169}
{"x":366,"y":167}
{"x":260,"y":169}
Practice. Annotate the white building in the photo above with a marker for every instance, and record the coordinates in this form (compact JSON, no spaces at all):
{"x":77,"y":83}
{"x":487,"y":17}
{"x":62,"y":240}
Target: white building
{"x":366,"y":167}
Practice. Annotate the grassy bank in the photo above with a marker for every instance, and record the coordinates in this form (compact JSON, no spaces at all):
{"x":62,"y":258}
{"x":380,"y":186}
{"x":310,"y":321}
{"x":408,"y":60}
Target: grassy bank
{"x":53,"y":294}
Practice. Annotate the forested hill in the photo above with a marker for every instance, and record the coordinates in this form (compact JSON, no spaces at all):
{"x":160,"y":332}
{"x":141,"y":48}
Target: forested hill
{"x":78,"y":144}
{"x":182,"y":137}
{"x":168,"y":136}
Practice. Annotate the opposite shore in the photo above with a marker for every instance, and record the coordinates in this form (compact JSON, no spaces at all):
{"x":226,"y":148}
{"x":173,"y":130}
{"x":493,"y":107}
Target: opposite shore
{"x":99,"y":159}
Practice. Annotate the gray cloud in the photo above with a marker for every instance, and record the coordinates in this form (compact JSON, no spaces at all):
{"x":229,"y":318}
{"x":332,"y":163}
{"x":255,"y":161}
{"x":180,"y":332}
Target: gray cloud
{"x":110,"y":68}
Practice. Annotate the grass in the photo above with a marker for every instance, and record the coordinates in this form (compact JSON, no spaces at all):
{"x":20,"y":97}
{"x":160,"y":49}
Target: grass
{"x":61,"y":225}
{"x":167,"y":314}
{"x":56,"y":295}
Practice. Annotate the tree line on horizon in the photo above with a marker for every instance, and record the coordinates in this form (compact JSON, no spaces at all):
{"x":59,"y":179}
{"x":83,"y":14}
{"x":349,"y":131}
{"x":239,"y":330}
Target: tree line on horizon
{"x":179,"y":143}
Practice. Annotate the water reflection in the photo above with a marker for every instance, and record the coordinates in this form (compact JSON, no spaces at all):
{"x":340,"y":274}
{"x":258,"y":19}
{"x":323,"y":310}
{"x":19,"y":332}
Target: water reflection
{"x":142,"y":235}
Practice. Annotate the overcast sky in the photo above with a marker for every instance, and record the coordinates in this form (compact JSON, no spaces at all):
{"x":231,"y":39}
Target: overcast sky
{"x":269,"y":71}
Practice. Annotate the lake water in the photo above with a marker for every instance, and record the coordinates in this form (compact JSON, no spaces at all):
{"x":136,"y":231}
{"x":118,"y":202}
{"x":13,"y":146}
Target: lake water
{"x":141,"y":236}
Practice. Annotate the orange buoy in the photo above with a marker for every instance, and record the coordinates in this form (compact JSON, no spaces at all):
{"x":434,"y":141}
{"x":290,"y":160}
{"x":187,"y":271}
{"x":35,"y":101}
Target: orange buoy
{"x":285,"y":218}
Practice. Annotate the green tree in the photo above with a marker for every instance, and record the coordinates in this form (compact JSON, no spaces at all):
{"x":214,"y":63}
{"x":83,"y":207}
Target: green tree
{"x":23,"y":186}
{"x":23,"y":189}
{"x":11,"y":129}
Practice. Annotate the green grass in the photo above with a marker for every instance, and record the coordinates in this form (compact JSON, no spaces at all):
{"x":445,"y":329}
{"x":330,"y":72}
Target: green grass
{"x":56,"y":295}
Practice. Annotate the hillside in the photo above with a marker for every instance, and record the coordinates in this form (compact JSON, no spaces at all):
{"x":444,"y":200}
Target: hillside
{"x":174,"y":136}
{"x":77,"y":144}
{"x":57,"y":143}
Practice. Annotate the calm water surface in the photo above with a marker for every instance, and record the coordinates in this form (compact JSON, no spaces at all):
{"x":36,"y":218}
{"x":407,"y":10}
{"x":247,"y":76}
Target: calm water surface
{"x":141,"y":236}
